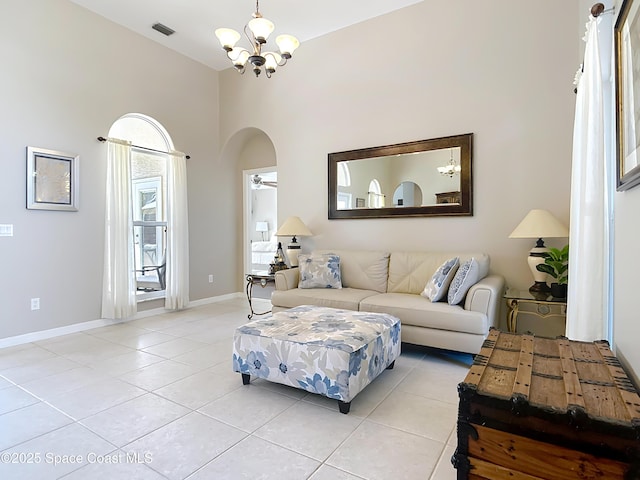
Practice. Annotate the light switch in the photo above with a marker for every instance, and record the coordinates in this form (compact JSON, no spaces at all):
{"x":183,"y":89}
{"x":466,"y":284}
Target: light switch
{"x":6,"y":230}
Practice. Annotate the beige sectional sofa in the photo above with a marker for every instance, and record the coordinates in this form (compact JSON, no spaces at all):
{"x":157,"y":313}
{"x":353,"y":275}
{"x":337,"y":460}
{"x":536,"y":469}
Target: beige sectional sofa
{"x":374,"y":281}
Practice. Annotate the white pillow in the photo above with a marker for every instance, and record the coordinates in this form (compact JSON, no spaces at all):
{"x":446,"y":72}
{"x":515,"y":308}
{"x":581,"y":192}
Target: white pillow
{"x":467,"y":275}
{"x":436,"y":288}
{"x":319,"y":271}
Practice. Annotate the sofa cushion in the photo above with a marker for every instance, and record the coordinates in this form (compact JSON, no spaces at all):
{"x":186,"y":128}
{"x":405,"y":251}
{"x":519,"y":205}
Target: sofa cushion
{"x":436,"y":288}
{"x":418,"y":311}
{"x":468,"y":274}
{"x":346,"y":298}
{"x":409,"y":272}
{"x":363,"y":269}
{"x":319,"y":271}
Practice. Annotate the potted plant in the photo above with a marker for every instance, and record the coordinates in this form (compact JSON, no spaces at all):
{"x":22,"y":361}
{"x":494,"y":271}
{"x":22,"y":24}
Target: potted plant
{"x":556,"y":265}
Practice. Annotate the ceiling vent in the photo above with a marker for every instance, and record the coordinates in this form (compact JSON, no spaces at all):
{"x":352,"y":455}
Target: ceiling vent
{"x":163,"y":29}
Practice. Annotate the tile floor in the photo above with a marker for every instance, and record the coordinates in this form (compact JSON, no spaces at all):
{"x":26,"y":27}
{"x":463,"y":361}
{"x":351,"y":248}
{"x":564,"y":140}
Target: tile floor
{"x":156,"y":398}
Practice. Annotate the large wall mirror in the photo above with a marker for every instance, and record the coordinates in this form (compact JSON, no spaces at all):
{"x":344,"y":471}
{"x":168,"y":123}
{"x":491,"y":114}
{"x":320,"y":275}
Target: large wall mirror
{"x":423,"y":178}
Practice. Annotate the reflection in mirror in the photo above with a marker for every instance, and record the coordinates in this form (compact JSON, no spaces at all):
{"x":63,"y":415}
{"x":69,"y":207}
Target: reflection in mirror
{"x":429,"y":177}
{"x":408,"y":194}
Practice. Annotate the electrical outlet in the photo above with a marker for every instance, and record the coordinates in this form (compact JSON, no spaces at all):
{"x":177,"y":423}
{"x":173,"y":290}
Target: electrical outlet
{"x":35,"y":304}
{"x":210,"y":278}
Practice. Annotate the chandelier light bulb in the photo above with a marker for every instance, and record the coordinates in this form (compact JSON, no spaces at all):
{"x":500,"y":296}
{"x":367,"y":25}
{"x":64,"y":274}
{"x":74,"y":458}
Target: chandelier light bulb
{"x":261,"y":29}
{"x":272,"y":61}
{"x":239,"y":57}
{"x":287,"y":44}
{"x":228,"y":38}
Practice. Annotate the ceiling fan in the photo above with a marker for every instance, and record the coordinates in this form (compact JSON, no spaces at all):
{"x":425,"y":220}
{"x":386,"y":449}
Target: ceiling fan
{"x":257,"y":181}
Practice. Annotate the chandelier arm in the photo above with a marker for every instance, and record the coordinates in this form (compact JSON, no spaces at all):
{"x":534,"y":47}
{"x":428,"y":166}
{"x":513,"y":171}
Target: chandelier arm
{"x":252,"y":41}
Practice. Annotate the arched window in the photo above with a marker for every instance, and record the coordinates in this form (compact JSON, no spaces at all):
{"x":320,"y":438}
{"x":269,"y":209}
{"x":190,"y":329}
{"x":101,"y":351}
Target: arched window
{"x":146,"y":251}
{"x":376,"y":197}
{"x":345,"y":198}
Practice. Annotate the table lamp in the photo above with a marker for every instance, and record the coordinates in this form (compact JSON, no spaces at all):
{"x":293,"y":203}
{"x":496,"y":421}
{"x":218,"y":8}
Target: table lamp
{"x":262,"y":227}
{"x":539,"y":224}
{"x":293,"y":227}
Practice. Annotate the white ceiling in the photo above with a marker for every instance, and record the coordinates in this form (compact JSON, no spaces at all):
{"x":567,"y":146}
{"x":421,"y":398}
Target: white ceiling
{"x":195,"y":20}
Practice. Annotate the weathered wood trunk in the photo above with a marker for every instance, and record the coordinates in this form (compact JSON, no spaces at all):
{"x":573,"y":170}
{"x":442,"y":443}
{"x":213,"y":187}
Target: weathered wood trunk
{"x":537,"y":408}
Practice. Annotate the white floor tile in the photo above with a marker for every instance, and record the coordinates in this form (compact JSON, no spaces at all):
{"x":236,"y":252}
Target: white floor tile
{"x":173,"y":348}
{"x":66,"y":381}
{"x":13,"y":398}
{"x":415,"y":414}
{"x":52,"y":365}
{"x":444,"y":469}
{"x":197,"y":390}
{"x":185,"y":445}
{"x":300,"y":427}
{"x":377,"y":452}
{"x":94,"y":398}
{"x":438,"y":382}
{"x":326,"y":472}
{"x":248,"y":407}
{"x":115,"y":466}
{"x":131,"y":420}
{"x":29,"y":422}
{"x":121,"y":364}
{"x":22,"y":355}
{"x":208,"y":356}
{"x":55,"y":454}
{"x":159,"y":374}
{"x":255,"y":458}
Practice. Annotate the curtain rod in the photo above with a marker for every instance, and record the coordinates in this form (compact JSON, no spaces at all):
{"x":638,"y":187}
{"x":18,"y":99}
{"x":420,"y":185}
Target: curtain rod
{"x":598,"y":9}
{"x":102,"y":139}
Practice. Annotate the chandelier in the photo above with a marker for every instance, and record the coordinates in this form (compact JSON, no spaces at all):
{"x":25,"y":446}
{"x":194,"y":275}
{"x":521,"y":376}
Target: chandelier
{"x":257,"y":32}
{"x":450,"y":169}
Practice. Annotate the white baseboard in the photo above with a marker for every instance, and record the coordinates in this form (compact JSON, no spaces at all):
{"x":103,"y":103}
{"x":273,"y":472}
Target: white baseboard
{"x":103,"y":322}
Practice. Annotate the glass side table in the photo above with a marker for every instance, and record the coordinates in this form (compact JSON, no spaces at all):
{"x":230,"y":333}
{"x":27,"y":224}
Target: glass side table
{"x":545,"y":306}
{"x":262,"y":278}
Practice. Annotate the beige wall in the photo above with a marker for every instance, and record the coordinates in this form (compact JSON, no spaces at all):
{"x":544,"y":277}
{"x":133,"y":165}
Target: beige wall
{"x":490,"y":71}
{"x":67,"y":75}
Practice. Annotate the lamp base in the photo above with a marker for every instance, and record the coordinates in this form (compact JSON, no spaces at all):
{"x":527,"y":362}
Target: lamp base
{"x":293,"y":251}
{"x":539,"y":287}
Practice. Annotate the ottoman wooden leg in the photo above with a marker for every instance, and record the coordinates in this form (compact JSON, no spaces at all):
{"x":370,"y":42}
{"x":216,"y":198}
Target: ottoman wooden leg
{"x":391,"y":365}
{"x":344,"y":406}
{"x":246,"y":378}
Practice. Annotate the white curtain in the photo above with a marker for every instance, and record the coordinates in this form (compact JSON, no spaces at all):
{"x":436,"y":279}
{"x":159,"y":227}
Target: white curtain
{"x":588,"y":296}
{"x":119,"y":281}
{"x":177,"y":285}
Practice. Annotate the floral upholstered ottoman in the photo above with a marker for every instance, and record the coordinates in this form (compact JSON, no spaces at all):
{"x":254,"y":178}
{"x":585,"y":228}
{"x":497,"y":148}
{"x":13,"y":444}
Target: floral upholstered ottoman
{"x":332,"y":352}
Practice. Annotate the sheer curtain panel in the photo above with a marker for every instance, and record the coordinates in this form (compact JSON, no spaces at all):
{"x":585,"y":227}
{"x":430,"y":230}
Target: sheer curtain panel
{"x":119,"y":282}
{"x":177,"y":286}
{"x":588,"y":296}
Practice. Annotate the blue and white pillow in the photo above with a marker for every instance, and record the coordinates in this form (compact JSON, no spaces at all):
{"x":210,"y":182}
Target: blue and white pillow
{"x":468,"y":274}
{"x":436,"y":288}
{"x":319,"y":271}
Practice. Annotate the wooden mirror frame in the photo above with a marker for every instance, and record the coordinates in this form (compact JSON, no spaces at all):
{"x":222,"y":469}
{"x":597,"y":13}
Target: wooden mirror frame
{"x":465,"y":207}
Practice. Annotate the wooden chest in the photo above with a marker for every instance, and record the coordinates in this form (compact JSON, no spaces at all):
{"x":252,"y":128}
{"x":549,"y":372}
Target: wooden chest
{"x":538,"y":408}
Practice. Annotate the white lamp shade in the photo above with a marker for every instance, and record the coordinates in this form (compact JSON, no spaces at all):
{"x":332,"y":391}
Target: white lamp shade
{"x":293,"y":227}
{"x":261,"y":29}
{"x":287,"y":44}
{"x":272,"y":60}
{"x":227,"y":37}
{"x":262,"y":226}
{"x":239,"y":56}
{"x":540,"y":224}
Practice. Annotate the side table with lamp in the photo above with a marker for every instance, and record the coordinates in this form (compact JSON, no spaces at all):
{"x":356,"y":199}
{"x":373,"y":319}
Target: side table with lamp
{"x":293,"y":227}
{"x":539,"y":224}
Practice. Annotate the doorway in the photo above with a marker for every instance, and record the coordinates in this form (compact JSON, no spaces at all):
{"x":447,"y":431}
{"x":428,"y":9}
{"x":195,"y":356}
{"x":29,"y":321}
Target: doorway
{"x":260,"y":222}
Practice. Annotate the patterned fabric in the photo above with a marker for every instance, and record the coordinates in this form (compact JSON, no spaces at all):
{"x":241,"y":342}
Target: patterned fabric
{"x":319,"y":271}
{"x":436,"y":288}
{"x":332,"y":352}
{"x":467,"y":275}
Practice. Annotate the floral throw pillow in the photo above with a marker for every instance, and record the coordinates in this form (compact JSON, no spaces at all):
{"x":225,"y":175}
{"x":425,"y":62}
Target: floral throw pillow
{"x":467,"y":275}
{"x":436,"y":288}
{"x":319,"y":271}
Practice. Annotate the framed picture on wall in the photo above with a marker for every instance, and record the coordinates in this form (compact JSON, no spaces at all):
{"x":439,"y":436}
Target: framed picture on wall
{"x":52,"y":180}
{"x":627,"y":75}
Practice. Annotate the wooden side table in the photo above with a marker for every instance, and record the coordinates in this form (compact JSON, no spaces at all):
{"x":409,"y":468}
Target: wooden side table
{"x":263,"y":278}
{"x":545,"y":306}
